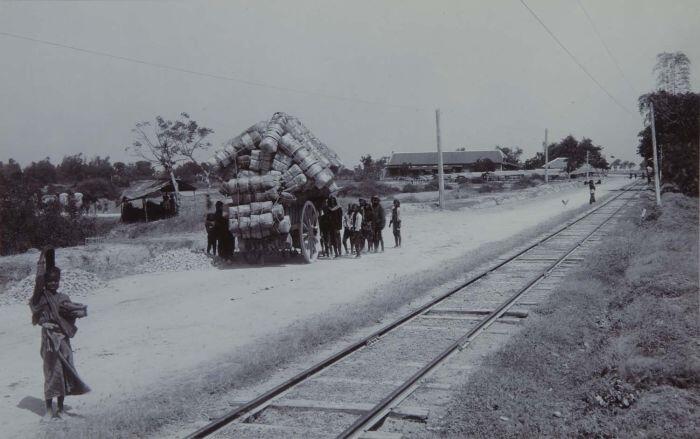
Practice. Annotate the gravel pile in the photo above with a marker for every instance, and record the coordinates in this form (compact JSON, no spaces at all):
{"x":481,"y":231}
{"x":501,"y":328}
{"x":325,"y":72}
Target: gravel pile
{"x":177,"y":260}
{"x":74,"y":282}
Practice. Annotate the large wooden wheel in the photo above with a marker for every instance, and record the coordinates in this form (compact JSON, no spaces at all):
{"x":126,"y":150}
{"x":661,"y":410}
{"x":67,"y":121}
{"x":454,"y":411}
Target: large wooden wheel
{"x":308,"y":232}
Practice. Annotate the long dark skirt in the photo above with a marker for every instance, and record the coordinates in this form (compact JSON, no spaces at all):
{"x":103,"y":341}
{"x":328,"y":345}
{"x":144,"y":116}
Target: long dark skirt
{"x":60,"y":376}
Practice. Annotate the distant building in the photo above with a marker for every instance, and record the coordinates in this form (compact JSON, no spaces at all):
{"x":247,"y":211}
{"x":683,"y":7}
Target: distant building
{"x":411,"y":164}
{"x":558,"y":164}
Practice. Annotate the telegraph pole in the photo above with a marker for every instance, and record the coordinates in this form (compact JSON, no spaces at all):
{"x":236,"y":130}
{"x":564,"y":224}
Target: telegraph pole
{"x":546,"y":157}
{"x":587,"y":165}
{"x":441,"y":181}
{"x":657,"y":187}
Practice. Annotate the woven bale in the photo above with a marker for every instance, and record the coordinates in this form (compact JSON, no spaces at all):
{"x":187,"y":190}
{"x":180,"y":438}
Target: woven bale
{"x":243,"y":161}
{"x":271,"y":137}
{"x":222,"y":158}
{"x":251,"y":140}
{"x":266,"y":220}
{"x":333,"y":188}
{"x":283,"y":227}
{"x":314,"y":170}
{"x":244,"y":224}
{"x":231,"y":186}
{"x":323,"y":179}
{"x":277,"y":212}
{"x":300,"y":154}
{"x":289,"y":145}
{"x":307,"y":163}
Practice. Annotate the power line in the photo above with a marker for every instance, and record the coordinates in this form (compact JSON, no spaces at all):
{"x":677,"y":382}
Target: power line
{"x":607,"y":49}
{"x":209,"y":75}
{"x":578,"y":63}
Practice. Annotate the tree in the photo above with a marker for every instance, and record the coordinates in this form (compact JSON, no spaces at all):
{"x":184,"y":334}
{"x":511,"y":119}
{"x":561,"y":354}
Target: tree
{"x":95,"y":188}
{"x":71,"y":169}
{"x":98,"y":167}
{"x":535,"y":162}
{"x":170,"y":143}
{"x":188,"y":171}
{"x":672,"y":72}
{"x":616,"y":164}
{"x":370,"y":169}
{"x":42,"y":172}
{"x":575,"y":152}
{"x":676,"y":123}
{"x":512,"y":155}
{"x":483,"y":165}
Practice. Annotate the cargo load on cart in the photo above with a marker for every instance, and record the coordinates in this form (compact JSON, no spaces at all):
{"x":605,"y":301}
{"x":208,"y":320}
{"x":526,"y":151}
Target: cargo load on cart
{"x":277,"y":174}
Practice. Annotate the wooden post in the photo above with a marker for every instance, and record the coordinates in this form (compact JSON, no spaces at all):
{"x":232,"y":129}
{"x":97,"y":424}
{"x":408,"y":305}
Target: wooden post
{"x":145,"y":207}
{"x":657,"y":184}
{"x":546,"y":157}
{"x":441,"y":181}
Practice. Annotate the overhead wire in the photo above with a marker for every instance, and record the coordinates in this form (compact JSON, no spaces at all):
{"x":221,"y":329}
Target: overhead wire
{"x":578,"y":63}
{"x":210,"y":75}
{"x":607,"y":49}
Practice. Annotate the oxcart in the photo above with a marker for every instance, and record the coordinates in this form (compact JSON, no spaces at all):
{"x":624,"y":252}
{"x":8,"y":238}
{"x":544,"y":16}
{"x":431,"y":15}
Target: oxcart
{"x":302,"y":240}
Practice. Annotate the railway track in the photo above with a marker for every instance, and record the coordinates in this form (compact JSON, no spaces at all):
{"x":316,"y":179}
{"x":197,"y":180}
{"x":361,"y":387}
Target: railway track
{"x":351,"y":393}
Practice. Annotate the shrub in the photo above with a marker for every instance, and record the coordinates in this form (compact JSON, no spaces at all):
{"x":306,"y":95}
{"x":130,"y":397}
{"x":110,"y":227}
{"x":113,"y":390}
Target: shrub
{"x":525,"y":182}
{"x":495,"y":186}
{"x":410,"y":188}
{"x":433,"y":185}
{"x":367,"y":188}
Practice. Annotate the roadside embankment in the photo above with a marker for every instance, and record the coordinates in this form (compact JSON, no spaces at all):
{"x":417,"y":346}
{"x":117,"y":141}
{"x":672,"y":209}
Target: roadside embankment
{"x":614,"y":353}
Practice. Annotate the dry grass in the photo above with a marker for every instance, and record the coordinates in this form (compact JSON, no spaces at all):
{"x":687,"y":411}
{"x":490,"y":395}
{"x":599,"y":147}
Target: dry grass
{"x":184,"y":399}
{"x":615,"y":352}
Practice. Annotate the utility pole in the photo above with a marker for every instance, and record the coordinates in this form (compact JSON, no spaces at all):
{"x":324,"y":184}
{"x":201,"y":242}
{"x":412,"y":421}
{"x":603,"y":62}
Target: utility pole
{"x":546,"y":157}
{"x":588,"y":153}
{"x":441,"y":181}
{"x":657,"y":187}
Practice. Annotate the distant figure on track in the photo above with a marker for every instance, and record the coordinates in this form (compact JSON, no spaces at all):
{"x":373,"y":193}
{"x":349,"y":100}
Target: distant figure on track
{"x":395,"y":223}
{"x":56,"y":315}
{"x":223,"y":234}
{"x":356,"y":230}
{"x":368,"y":224}
{"x":378,"y":224}
{"x":591,"y":187}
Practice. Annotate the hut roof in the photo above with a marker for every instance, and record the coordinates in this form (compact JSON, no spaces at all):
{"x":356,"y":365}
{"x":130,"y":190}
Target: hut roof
{"x":151,"y":188}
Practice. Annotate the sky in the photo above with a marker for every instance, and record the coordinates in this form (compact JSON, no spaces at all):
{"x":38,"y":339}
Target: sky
{"x":364,"y":76}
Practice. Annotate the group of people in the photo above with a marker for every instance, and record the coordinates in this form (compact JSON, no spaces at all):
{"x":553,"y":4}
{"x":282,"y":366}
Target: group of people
{"x":220,"y":240}
{"x":361,"y":225}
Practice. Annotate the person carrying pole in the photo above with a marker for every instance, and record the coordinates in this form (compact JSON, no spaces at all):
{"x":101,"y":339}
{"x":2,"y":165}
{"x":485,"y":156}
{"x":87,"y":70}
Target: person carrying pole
{"x":56,"y":314}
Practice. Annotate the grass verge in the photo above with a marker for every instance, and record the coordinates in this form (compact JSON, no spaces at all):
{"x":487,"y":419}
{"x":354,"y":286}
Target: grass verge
{"x":614,"y":353}
{"x":185,"y":399}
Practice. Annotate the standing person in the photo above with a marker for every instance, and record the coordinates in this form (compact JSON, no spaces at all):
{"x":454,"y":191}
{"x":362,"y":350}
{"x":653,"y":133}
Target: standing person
{"x":395,"y":222}
{"x":210,"y":226}
{"x":378,"y":224}
{"x":357,"y":229}
{"x":223,"y":234}
{"x":56,"y":315}
{"x":335,"y":224}
{"x":591,"y":187}
{"x":324,"y":226}
{"x":347,"y":233}
{"x":367,"y":224}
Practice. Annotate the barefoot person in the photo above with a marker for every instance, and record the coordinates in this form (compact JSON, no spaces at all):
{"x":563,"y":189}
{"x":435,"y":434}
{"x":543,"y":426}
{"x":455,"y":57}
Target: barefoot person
{"x":378,"y":224}
{"x":56,"y":315}
{"x":395,"y":223}
{"x":591,"y":188}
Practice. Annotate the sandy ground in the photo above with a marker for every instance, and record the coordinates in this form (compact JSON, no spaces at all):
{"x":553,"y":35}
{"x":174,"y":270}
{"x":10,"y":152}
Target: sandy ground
{"x":144,"y":329}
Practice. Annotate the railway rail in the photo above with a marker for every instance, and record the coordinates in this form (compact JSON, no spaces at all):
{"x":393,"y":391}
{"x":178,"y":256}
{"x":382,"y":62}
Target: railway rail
{"x":352,"y":392}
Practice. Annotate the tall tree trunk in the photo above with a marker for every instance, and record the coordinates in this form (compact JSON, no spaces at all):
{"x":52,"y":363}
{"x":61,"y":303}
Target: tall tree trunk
{"x":177,"y":190}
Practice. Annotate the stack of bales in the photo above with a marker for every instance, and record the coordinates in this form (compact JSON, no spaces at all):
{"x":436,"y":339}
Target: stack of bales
{"x":272,"y":162}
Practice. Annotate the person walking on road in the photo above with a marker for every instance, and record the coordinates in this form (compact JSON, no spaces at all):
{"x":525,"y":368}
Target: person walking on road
{"x":591,"y":187}
{"x":378,"y":224}
{"x":395,"y":223}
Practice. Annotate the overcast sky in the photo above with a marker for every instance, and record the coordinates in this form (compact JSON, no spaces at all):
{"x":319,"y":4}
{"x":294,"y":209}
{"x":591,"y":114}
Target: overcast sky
{"x":498,"y":77}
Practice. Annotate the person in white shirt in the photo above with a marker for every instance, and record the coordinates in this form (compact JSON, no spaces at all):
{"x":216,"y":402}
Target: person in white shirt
{"x":356,"y":228}
{"x":347,"y":232}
